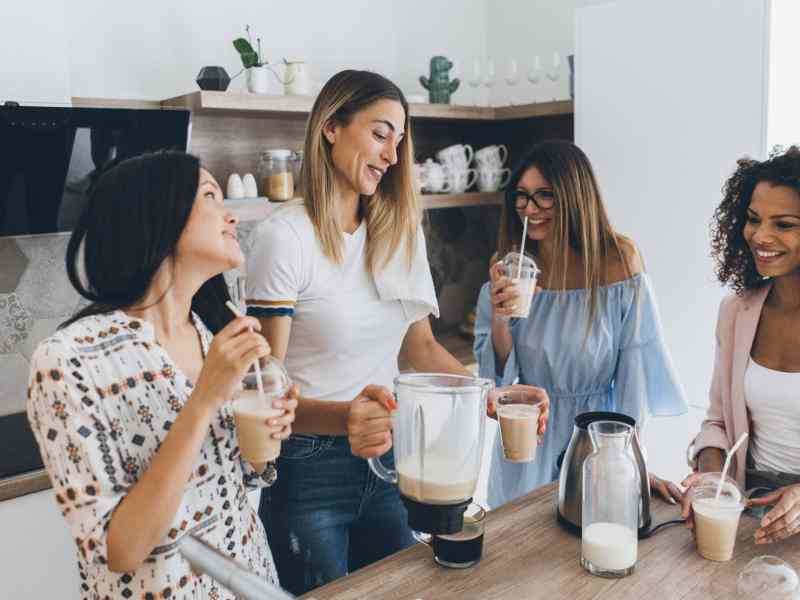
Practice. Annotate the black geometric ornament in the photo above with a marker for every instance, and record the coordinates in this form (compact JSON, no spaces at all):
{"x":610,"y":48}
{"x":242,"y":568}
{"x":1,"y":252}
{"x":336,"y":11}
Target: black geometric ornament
{"x":213,"y":78}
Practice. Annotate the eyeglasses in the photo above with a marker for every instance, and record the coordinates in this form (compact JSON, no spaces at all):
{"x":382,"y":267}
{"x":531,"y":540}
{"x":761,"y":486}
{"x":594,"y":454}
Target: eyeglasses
{"x":542,"y":199}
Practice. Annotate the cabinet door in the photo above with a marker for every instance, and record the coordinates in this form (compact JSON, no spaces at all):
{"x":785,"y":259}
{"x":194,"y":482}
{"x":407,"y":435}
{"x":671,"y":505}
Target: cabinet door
{"x":36,"y":550}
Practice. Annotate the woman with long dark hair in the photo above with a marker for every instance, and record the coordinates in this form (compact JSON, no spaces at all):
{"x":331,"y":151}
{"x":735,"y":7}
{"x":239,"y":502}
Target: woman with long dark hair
{"x":128,"y":400}
{"x":593,"y":337}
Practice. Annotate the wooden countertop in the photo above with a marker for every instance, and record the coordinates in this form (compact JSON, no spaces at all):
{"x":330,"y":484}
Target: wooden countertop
{"x":528,"y":555}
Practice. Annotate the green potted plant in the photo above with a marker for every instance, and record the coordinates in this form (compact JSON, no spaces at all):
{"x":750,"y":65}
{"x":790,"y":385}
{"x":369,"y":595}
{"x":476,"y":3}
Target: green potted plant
{"x":253,"y":63}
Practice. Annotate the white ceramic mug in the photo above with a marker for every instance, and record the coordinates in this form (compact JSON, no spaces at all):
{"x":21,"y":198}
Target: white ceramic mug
{"x":458,"y":155}
{"x":297,"y":82}
{"x":491,"y":180}
{"x":460,"y":179}
{"x":435,"y":179}
{"x":492,"y":156}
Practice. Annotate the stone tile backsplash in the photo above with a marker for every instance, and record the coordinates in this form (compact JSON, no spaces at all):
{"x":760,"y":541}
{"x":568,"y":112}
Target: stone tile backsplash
{"x":35,"y":297}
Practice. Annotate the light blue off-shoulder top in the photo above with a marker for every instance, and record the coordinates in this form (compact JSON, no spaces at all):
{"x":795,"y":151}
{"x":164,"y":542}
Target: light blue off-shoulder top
{"x":623,"y":366}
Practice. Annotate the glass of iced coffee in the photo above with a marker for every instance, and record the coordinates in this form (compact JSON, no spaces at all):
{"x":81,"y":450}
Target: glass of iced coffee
{"x":252,"y":410}
{"x":518,"y":416}
{"x":716,"y":520}
{"x":523,"y":274}
{"x":462,"y":549}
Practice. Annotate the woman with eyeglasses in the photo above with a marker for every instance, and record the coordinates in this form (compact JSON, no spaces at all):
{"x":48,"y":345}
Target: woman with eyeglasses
{"x":593,"y":338}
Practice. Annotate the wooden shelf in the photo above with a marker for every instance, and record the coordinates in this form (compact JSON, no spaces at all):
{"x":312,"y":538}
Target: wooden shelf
{"x":528,"y":111}
{"x":459,"y":345}
{"x":299,"y":106}
{"x":240,"y":102}
{"x":83,"y":102}
{"x":433,"y":201}
{"x":451,"y":111}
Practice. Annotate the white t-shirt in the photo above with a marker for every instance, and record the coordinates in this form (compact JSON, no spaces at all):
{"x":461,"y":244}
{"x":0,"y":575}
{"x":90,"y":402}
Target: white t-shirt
{"x":774,"y":403}
{"x":343,"y":336}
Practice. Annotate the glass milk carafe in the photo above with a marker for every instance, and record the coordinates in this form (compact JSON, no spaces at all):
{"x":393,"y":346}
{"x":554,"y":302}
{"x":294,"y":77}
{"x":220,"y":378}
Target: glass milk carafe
{"x":610,"y":518}
{"x":438,"y":428}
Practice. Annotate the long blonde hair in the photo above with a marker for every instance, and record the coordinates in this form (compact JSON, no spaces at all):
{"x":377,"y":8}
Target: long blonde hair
{"x":580,"y":222}
{"x":392,"y":213}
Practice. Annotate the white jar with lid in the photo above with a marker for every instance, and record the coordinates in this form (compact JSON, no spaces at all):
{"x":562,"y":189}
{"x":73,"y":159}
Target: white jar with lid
{"x":275,"y":173}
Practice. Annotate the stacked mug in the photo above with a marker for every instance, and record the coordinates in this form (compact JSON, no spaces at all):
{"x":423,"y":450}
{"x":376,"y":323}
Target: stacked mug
{"x":491,"y":174}
{"x":456,"y":160}
{"x":431,"y":177}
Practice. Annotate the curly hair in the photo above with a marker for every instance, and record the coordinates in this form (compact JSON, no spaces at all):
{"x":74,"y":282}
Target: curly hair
{"x":734,"y":264}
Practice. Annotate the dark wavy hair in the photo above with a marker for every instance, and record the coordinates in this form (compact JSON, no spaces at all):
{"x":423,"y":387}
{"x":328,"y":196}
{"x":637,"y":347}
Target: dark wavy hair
{"x":133,"y":219}
{"x":733,"y":259}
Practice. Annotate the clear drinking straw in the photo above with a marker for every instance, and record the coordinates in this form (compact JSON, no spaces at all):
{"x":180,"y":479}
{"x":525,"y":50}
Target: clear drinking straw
{"x":727,"y":464}
{"x":259,"y":383}
{"x":522,"y":247}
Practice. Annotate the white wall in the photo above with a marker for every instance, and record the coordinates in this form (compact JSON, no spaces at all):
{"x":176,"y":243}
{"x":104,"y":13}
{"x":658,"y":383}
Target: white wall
{"x":33,"y":59}
{"x":154,"y":49}
{"x":523,"y":29}
{"x":783,"y":125}
{"x":664,"y":108}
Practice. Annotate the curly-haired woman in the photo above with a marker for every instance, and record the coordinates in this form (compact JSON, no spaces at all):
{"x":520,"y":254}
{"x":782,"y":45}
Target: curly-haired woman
{"x":756,"y":382}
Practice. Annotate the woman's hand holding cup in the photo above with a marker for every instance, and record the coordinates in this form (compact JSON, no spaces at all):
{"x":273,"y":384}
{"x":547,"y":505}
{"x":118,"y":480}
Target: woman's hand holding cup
{"x":230,"y":355}
{"x":282,"y":425}
{"x":504,"y":294}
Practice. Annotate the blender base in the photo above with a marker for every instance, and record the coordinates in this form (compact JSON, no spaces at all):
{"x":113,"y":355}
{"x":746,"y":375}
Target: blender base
{"x":435,"y":518}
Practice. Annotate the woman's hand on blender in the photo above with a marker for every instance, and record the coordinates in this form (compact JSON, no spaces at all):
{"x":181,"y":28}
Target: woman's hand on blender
{"x":532,"y":394}
{"x":369,"y":422}
{"x":282,"y":425}
{"x":231,"y":353}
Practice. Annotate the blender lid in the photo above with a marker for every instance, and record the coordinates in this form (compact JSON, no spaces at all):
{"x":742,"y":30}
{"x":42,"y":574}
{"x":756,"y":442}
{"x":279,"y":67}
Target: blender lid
{"x":443,"y":382}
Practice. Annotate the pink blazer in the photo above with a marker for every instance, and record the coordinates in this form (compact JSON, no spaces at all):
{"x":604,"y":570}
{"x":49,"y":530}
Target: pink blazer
{"x":727,"y":416}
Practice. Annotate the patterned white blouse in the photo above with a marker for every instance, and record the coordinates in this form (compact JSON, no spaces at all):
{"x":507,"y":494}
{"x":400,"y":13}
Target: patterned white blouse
{"x":101,"y":399}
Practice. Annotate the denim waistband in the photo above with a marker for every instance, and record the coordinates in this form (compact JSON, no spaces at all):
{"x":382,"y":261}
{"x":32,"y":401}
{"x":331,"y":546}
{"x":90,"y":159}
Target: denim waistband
{"x":769,"y":479}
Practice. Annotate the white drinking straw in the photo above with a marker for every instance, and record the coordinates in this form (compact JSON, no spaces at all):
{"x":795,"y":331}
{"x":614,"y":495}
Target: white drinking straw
{"x":522,"y":247}
{"x":259,"y":383}
{"x":727,"y":464}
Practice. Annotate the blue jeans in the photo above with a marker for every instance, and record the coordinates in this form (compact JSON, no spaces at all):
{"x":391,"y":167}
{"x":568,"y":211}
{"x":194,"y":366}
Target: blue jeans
{"x":328,"y":514}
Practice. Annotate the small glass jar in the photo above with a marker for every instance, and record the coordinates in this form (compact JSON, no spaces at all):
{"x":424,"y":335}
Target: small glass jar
{"x":611,"y":490}
{"x":297,"y":164}
{"x":275,"y":173}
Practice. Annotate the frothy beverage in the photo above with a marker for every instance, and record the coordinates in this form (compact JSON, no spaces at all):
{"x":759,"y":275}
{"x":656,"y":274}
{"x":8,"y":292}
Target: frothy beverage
{"x":519,"y":424}
{"x":462,"y":549}
{"x":715,"y":524}
{"x":255,"y":436}
{"x":525,"y":288}
{"x":433,"y":482}
{"x":608,"y":547}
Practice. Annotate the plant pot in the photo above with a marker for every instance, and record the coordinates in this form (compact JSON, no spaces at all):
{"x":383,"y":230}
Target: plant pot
{"x":258,"y":80}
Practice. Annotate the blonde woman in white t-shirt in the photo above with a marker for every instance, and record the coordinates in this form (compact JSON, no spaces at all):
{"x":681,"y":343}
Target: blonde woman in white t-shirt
{"x":314,"y":275}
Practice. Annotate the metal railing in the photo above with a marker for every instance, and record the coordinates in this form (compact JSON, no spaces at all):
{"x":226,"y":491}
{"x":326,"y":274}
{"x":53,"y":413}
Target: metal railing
{"x":208,"y":560}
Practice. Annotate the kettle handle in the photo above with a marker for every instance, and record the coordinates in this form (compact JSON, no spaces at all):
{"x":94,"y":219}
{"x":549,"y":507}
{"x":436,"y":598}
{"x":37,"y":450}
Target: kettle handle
{"x":645,"y":482}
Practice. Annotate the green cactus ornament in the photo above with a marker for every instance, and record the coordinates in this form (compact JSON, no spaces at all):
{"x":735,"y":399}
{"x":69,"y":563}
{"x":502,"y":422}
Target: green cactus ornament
{"x":439,"y":85}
